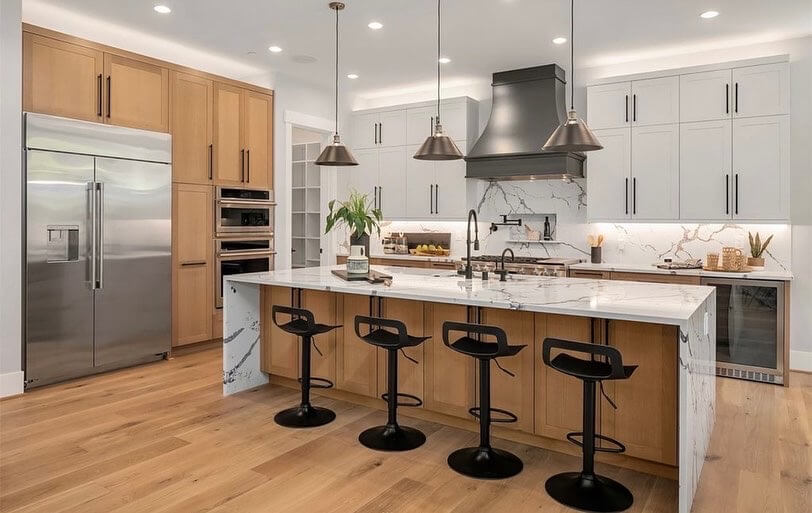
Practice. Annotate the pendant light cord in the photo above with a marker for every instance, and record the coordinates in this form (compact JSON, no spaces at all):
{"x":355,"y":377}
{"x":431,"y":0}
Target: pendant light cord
{"x":438,"y":62}
{"x":336,"y":72}
{"x":572,"y":54}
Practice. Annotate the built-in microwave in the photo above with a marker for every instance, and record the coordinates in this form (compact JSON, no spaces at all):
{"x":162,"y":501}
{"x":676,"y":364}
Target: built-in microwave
{"x":750,"y":328}
{"x":241,"y":255}
{"x":243,"y":212}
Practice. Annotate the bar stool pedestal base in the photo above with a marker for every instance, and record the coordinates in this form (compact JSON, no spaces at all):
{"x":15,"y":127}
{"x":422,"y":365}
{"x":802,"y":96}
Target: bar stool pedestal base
{"x":485,"y":463}
{"x":392,"y":438}
{"x":589,"y":493}
{"x":304,"y":416}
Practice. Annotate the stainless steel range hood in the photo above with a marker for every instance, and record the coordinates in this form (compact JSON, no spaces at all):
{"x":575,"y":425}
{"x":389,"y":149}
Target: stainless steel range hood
{"x":528,"y":105}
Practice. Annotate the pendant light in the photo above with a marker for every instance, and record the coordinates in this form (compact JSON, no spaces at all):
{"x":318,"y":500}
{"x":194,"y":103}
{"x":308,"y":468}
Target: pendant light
{"x":336,"y":154}
{"x":574,"y":134}
{"x":438,"y":146}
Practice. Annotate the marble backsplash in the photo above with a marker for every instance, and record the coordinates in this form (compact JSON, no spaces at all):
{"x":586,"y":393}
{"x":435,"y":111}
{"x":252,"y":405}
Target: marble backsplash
{"x":629,"y":243}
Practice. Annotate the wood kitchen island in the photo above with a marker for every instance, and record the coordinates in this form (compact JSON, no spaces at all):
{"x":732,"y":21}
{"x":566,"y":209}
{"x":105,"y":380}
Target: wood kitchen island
{"x":665,"y":412}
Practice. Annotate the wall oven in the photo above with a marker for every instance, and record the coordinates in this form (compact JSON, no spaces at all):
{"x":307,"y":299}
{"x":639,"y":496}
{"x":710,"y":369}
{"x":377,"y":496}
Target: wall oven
{"x":244,"y":211}
{"x":749,"y":329}
{"x":241,"y":255}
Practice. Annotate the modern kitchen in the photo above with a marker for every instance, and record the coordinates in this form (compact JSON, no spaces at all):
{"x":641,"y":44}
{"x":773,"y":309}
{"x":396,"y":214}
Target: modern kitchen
{"x":371,"y":256}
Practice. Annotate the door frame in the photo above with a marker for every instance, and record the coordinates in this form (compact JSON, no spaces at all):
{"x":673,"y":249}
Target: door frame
{"x":284,"y":181}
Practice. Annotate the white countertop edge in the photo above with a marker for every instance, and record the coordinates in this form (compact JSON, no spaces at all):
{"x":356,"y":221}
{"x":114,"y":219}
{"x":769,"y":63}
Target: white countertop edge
{"x":444,"y":259}
{"x":651,"y":269}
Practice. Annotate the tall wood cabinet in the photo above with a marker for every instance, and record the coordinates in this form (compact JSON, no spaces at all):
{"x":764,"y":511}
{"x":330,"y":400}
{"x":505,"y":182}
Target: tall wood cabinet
{"x":243,"y":135}
{"x":191,"y":124}
{"x":192,"y":263}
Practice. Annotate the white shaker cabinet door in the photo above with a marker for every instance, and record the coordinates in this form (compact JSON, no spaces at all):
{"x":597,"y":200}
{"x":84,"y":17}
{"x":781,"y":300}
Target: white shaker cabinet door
{"x":451,"y":191}
{"x":392,"y":182}
{"x":364,"y":131}
{"x":761,"y":90}
{"x":419,"y":124}
{"x":761,"y":168}
{"x":705,"y":170}
{"x":364,"y":176}
{"x":655,"y":172}
{"x":609,"y":105}
{"x":705,"y":96}
{"x":655,"y":101}
{"x":392,"y":128}
{"x":453,"y":118}
{"x":419,"y":185}
{"x":608,"y":176}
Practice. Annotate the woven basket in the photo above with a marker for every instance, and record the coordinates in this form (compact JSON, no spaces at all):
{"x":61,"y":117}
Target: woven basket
{"x":732,"y":259}
{"x":712,"y":260}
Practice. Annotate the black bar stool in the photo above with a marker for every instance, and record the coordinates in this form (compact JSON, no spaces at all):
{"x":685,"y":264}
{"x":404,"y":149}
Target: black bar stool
{"x":392,"y":436}
{"x":303,"y":325}
{"x":586,"y":490}
{"x":484,"y":461}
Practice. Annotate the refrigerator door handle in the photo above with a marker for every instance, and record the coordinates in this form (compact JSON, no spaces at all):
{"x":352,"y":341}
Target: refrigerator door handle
{"x":100,"y":225}
{"x":91,"y":188}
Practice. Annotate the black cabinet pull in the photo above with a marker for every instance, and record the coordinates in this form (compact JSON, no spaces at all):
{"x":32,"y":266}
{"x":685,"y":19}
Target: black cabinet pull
{"x":727,"y":98}
{"x":109,"y":95}
{"x":211,"y":161}
{"x":380,"y":197}
{"x":736,"y":100}
{"x":634,"y":196}
{"x":626,"y":195}
{"x":436,"y":198}
{"x":431,"y":199}
{"x":431,"y":126}
{"x":634,"y":107}
{"x":626,"y":110}
{"x":380,"y":133}
{"x":727,"y":194}
{"x":737,"y":193}
{"x":99,"y":81}
{"x":242,"y":165}
{"x":375,"y":133}
{"x":248,"y":165}
{"x":375,"y":197}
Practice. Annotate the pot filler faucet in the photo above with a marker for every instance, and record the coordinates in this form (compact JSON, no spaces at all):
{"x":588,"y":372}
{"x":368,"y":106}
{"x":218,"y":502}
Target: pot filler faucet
{"x":469,"y":270}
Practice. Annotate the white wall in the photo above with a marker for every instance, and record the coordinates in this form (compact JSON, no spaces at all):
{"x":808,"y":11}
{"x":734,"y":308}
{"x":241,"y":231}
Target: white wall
{"x":11,"y":376}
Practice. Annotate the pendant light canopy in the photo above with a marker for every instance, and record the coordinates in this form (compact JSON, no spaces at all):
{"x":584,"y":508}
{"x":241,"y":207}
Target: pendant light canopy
{"x":336,"y":154}
{"x":573,"y":134}
{"x":438,"y":146}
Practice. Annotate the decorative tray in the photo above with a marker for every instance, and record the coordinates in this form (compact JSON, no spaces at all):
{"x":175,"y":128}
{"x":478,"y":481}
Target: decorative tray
{"x":371,"y":276}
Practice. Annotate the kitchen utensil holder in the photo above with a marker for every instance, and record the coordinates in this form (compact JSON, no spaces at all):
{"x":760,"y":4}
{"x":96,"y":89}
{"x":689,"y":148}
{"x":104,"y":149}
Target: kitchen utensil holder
{"x":595,"y":252}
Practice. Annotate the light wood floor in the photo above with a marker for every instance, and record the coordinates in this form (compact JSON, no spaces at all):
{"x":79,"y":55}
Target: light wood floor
{"x":161,"y":438}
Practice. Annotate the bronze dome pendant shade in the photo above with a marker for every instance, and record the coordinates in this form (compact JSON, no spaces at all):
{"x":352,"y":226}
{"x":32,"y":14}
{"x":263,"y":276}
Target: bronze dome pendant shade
{"x":438,"y":146}
{"x":573,"y":134}
{"x":336,"y":154}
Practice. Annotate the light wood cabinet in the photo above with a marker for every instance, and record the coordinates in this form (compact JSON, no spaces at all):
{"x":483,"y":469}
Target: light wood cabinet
{"x":513,"y":393}
{"x":192,"y":257}
{"x":191,"y":125}
{"x":450,"y":377}
{"x":356,"y":361}
{"x":656,"y":278}
{"x":137,"y":93}
{"x":646,"y":416}
{"x":594,"y":275}
{"x":410,"y":374}
{"x":61,"y":78}
{"x":258,"y":127}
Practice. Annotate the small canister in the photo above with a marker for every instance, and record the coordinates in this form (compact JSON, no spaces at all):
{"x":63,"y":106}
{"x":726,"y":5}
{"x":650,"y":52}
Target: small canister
{"x":357,"y":262}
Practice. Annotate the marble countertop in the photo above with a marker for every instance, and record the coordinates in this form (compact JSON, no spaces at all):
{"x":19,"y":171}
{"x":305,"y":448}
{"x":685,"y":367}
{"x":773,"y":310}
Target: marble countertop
{"x":621,"y":300}
{"x":642,"y":268}
{"x":412,"y":257}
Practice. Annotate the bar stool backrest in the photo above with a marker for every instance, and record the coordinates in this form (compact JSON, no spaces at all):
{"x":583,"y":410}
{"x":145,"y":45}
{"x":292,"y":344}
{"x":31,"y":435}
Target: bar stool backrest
{"x":380,"y":322}
{"x":478,"y":329}
{"x":612,"y":355}
{"x":294,"y":313}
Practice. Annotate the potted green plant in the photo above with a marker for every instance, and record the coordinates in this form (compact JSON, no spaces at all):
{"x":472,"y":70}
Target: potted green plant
{"x":757,"y":248}
{"x":358,"y":215}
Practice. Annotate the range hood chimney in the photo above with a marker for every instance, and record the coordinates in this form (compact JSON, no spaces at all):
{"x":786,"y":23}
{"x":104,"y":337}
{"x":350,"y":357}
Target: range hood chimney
{"x":528,"y":105}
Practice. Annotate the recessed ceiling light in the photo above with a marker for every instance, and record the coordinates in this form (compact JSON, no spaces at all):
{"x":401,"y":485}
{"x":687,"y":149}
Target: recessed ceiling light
{"x":375,"y":25}
{"x":352,"y":76}
{"x":274,"y":49}
{"x":709,"y":14}
{"x":444,"y":60}
{"x":560,"y":40}
{"x":163,"y":9}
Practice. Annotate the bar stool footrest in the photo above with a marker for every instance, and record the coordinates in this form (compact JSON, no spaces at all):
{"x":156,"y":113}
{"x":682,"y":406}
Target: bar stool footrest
{"x":416,"y":401}
{"x":318,"y":382}
{"x":577,"y":437}
{"x":509,"y":417}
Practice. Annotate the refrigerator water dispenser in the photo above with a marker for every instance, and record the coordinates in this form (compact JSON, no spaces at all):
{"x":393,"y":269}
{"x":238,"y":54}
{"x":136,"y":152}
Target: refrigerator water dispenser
{"x":63,"y":243}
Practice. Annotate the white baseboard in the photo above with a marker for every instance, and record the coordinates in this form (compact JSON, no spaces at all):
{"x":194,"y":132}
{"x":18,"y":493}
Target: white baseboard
{"x":11,"y":383}
{"x":800,"y":360}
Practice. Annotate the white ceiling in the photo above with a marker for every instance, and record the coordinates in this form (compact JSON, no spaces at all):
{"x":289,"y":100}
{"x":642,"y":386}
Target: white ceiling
{"x":480,"y":36}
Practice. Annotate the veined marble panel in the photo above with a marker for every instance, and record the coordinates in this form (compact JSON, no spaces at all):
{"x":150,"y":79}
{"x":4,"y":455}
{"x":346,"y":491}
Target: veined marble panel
{"x":241,"y":340}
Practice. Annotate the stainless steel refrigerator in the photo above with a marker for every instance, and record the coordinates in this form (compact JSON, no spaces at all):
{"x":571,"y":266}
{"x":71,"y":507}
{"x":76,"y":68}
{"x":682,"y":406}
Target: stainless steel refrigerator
{"x":98,"y":238}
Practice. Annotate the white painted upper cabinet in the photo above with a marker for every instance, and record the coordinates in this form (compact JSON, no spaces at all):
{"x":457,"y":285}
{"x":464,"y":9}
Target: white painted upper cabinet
{"x":655,"y":172}
{"x":655,"y":101}
{"x":378,"y":129}
{"x":608,"y":105}
{"x":761,"y":168}
{"x":706,"y":152}
{"x":705,"y":96}
{"x":419,"y":185}
{"x":392,"y":182}
{"x":761,"y":90}
{"x":608,"y":176}
{"x":450,"y":191}
{"x":364,"y":177}
{"x":419,"y":124}
{"x":454,"y":116}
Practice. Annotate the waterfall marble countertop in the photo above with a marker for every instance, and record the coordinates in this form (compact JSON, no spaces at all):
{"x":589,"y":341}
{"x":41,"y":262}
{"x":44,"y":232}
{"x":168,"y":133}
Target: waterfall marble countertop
{"x":642,"y":268}
{"x":620,"y":300}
